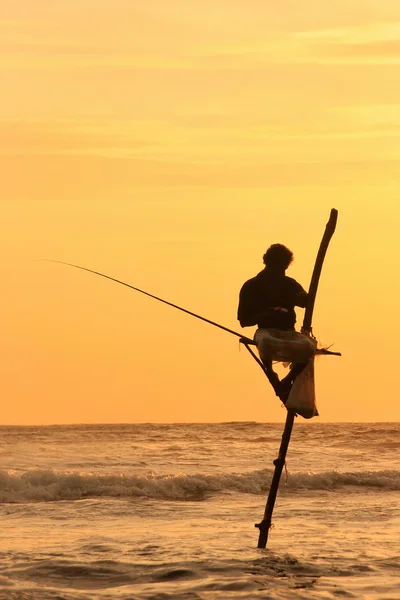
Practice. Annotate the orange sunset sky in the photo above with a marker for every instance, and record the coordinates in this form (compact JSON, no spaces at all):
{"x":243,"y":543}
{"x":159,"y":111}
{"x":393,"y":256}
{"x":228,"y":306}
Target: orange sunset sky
{"x":168,"y":143}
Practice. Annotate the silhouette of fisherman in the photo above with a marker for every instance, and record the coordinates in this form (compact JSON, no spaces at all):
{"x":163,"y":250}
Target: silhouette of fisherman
{"x":268,"y":300}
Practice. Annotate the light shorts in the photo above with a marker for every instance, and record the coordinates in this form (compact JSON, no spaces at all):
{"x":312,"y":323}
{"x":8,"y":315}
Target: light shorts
{"x":284,"y":346}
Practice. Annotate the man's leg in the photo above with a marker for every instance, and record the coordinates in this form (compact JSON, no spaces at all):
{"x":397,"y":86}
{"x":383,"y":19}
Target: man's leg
{"x":304,"y":349}
{"x":280,"y":345}
{"x":287,"y":382}
{"x":272,"y":376}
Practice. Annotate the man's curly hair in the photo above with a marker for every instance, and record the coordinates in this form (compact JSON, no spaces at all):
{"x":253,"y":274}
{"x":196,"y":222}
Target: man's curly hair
{"x":278,"y":257}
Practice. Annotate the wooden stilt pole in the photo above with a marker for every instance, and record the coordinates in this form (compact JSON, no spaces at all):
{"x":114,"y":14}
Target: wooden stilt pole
{"x":279,"y":463}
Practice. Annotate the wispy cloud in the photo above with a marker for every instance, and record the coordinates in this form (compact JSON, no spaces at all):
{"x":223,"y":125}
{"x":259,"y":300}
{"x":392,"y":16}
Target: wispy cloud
{"x":324,"y":135}
{"x":53,"y":178}
{"x":20,"y":137}
{"x":193,"y":88}
{"x":376,"y":43}
{"x":190,"y":38}
{"x":356,"y":34}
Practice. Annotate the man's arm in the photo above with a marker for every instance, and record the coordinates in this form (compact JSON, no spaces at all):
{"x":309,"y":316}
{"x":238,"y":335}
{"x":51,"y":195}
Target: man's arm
{"x":301,"y":299}
{"x":249,"y":313}
{"x":252,"y":319}
{"x":300,"y":295}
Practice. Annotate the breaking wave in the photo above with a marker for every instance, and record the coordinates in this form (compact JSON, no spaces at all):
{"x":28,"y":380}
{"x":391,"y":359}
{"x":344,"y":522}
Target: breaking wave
{"x":47,"y":486}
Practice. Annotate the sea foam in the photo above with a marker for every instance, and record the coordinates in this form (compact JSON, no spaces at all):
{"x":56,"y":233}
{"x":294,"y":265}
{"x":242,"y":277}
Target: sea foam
{"x":47,"y":485}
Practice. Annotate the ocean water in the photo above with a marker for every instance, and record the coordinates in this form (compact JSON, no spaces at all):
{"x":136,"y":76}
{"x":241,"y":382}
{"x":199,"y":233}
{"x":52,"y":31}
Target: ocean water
{"x":168,"y":511}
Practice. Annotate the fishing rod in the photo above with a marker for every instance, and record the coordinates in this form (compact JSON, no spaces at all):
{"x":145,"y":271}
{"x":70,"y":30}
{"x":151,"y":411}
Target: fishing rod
{"x":243,"y":338}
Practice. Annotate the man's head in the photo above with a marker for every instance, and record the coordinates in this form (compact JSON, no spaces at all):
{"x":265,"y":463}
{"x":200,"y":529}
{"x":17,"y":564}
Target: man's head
{"x":278,"y":257}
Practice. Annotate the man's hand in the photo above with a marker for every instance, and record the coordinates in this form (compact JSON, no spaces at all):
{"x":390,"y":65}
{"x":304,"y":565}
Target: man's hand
{"x":301,"y":299}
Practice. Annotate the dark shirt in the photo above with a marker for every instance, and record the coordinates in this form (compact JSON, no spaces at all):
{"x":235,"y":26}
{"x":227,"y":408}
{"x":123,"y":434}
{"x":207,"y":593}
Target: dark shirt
{"x":262,"y":296}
